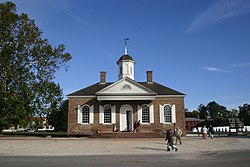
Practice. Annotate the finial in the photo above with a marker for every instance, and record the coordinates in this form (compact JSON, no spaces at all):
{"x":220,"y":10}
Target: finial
{"x":126,"y":46}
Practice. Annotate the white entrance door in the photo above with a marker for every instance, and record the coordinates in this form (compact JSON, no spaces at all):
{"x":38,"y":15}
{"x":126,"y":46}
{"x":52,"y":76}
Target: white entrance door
{"x":126,"y":118}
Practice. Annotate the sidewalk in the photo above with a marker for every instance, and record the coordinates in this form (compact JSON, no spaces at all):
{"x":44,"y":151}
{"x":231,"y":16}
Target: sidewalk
{"x":35,"y":146}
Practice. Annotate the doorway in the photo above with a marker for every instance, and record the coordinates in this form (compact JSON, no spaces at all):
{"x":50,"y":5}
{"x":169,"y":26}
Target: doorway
{"x":126,"y":118}
{"x":129,"y":121}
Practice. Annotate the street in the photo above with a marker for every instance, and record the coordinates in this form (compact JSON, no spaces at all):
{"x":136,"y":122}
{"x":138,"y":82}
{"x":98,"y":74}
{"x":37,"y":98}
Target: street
{"x":225,"y":159}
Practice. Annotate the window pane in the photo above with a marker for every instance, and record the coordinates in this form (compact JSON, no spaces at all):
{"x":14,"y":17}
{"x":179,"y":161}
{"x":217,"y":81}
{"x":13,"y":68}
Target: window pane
{"x":145,"y":114}
{"x":85,"y":114}
{"x":107,"y":114}
{"x":167,"y":114}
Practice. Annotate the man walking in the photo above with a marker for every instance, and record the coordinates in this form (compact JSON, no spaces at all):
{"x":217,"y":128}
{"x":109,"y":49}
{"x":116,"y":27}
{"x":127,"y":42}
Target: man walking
{"x":169,"y":140}
{"x":178,"y":135}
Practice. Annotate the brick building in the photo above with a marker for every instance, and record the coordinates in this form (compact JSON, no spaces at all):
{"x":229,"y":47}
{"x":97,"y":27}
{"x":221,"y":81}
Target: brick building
{"x":192,"y":123}
{"x":104,"y":105}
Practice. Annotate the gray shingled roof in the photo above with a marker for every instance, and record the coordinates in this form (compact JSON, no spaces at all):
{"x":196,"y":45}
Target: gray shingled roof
{"x":158,"y":88}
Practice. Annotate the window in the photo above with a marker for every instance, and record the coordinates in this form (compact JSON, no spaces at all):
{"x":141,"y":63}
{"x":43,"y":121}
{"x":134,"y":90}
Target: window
{"x":120,"y":70}
{"x":85,"y":114}
{"x":145,"y":114}
{"x":107,"y":114}
{"x":167,"y":114}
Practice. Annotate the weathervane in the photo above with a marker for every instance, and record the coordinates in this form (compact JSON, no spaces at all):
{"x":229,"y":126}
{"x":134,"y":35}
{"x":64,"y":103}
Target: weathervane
{"x":126,"y":45}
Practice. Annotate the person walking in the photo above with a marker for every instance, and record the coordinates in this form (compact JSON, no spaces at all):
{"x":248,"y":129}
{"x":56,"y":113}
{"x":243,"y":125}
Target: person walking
{"x":178,"y":136}
{"x":211,"y":131}
{"x":135,"y":126}
{"x":204,"y":132}
{"x":169,"y":140}
{"x":138,"y":126}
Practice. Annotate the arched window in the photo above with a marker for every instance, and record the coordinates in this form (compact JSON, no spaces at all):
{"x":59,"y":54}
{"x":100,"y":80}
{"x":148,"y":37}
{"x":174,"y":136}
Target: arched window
{"x":145,"y":114}
{"x":107,"y":114}
{"x":167,"y":114}
{"x":85,"y":114}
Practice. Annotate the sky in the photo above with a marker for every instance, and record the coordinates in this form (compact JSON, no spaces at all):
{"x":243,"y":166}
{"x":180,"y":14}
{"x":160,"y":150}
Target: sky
{"x":198,"y":47}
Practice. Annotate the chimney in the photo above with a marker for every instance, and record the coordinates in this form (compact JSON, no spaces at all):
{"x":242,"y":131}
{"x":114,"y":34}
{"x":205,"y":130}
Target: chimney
{"x":149,"y":77}
{"x":102,"y":77}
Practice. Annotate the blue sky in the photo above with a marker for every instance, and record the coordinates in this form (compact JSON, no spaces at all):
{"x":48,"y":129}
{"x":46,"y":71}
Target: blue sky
{"x":200,"y":48}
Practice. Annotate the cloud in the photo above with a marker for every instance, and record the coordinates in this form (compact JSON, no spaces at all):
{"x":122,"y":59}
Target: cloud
{"x":65,"y":6}
{"x":241,"y":65}
{"x":218,"y":11}
{"x":79,"y":20}
{"x":213,"y":69}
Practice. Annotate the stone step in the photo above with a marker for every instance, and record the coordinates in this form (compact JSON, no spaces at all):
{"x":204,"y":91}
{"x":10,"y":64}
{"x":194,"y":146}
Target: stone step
{"x":127,"y":135}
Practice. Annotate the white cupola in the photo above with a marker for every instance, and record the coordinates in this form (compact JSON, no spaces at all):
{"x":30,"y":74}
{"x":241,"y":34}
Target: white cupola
{"x":126,"y":64}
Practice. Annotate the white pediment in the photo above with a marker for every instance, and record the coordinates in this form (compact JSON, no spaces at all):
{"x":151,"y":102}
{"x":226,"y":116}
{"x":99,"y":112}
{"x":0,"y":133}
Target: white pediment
{"x":126,"y":86}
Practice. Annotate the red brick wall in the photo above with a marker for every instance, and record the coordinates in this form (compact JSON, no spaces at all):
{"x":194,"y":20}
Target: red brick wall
{"x":73,"y":127}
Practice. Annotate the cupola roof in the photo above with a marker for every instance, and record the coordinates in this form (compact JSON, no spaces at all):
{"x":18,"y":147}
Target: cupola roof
{"x":126,"y":57}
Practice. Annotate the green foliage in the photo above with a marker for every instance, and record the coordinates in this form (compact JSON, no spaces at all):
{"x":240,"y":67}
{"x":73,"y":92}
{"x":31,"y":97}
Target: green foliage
{"x":193,"y":114}
{"x":27,"y":67}
{"x":244,"y":114}
{"x":203,"y":111}
{"x":215,"y":114}
{"x":59,"y":118}
{"x":217,"y":111}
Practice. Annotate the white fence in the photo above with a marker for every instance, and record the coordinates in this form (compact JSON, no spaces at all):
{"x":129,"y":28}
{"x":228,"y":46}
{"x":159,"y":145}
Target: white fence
{"x":223,"y":129}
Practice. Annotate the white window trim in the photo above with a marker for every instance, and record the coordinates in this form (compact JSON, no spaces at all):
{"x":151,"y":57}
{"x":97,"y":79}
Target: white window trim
{"x":173,"y":113}
{"x":79,"y":115}
{"x":151,"y":113}
{"x":113,"y":114}
{"x":101,"y":114}
{"x":148,"y":113}
{"x":91,"y":114}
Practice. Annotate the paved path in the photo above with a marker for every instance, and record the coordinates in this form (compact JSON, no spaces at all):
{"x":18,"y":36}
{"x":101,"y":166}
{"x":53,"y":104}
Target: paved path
{"x":191,"y":147}
{"x":225,"y":159}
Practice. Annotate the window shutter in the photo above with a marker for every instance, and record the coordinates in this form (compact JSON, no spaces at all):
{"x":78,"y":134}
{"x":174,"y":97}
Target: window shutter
{"x":91,"y":114}
{"x":161,"y":114}
{"x":139,"y":109}
{"x":173,"y":114}
{"x":151,"y":112}
{"x":79,"y":114}
{"x":101,"y":115}
{"x":113,"y":115}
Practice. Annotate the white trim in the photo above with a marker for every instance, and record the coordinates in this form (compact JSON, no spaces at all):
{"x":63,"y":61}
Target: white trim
{"x":151,"y":113}
{"x":128,"y":81}
{"x":79,"y":114}
{"x":123,"y":119}
{"x":170,"y":95}
{"x":100,"y":98}
{"x":91,"y":114}
{"x":113,"y":114}
{"x":161,"y":110}
{"x":173,"y":113}
{"x":101,"y":114}
{"x":139,"y":113}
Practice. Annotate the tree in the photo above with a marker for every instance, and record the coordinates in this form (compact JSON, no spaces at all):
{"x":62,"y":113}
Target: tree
{"x":193,"y":114}
{"x":244,"y":113}
{"x":27,"y":67}
{"x":217,"y":111}
{"x":59,"y":118}
{"x":202,"y":109}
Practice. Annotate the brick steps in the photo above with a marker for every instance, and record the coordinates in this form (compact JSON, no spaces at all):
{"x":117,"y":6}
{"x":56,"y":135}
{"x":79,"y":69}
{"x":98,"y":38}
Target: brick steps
{"x":127,"y":135}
